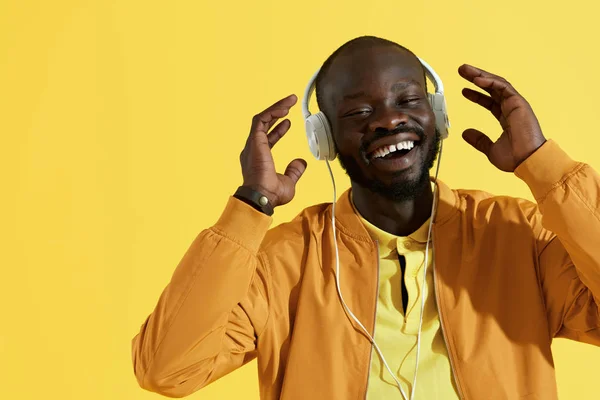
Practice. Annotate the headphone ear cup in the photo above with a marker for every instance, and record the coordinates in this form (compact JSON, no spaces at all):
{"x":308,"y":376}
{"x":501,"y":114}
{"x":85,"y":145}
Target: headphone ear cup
{"x":320,"y":139}
{"x":438,"y":104}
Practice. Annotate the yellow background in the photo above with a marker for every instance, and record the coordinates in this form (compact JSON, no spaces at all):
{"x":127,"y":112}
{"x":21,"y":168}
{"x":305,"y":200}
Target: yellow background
{"x":121,"y":124}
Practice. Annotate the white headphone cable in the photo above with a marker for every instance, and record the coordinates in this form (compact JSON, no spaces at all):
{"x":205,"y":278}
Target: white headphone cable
{"x":339,"y":290}
{"x":425,"y":264}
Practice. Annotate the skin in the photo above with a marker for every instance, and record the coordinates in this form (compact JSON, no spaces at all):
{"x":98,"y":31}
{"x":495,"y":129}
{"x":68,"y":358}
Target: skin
{"x":391,"y":95}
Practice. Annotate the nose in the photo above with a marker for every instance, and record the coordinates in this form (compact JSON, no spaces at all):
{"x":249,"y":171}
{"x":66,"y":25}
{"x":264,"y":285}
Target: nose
{"x":388,"y":119}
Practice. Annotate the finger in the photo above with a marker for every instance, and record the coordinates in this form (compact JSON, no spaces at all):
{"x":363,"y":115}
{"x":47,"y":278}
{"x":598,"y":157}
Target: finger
{"x":478,"y":140}
{"x":500,"y":90}
{"x":278,"y":132}
{"x":295,"y":169}
{"x":470,"y":72}
{"x":496,"y":86}
{"x":483,"y":100}
{"x":285,"y":103}
{"x":288,"y":102}
{"x":262,"y":122}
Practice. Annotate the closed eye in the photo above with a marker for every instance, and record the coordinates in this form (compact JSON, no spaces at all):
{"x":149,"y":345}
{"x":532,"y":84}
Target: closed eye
{"x":357,"y":113}
{"x":409,"y":100}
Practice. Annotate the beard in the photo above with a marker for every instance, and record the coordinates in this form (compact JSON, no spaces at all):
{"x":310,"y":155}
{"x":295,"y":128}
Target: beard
{"x":400,"y":191}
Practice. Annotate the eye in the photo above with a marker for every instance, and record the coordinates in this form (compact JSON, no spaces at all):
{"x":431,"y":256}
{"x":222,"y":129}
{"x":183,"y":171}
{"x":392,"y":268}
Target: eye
{"x":409,"y":100}
{"x":357,"y":113}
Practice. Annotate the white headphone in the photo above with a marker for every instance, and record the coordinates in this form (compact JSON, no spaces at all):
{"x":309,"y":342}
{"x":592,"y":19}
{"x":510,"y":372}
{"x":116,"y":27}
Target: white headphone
{"x":318,"y":130}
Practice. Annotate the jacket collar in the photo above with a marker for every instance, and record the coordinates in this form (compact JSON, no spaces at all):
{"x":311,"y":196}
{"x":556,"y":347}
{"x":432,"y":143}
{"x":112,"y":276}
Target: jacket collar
{"x":349,"y":223}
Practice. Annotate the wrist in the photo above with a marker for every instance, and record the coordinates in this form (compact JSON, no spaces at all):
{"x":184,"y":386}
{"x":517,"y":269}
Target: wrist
{"x":255,"y":198}
{"x":535,"y":146}
{"x":244,"y":226}
{"x":545,"y":168}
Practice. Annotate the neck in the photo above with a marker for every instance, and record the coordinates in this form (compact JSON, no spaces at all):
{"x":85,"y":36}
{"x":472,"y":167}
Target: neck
{"x":400,"y":218}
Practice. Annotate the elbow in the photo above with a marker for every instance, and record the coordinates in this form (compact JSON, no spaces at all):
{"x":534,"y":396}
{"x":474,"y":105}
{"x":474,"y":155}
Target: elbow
{"x":167,"y":381}
{"x":164,"y":386}
{"x":153,"y":376}
{"x":168,"y":377}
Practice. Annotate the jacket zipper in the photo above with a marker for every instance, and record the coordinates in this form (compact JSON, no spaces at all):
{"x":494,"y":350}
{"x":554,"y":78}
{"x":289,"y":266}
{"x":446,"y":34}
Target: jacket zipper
{"x":435,"y":285}
{"x":374,"y":322}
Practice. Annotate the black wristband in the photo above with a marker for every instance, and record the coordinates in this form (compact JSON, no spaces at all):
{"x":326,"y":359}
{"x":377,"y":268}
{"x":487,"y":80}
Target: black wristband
{"x":255,"y":199}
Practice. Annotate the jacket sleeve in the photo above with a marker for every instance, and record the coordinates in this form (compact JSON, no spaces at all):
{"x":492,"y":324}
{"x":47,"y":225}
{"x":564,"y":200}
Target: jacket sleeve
{"x":568,"y":197}
{"x":209,"y":316}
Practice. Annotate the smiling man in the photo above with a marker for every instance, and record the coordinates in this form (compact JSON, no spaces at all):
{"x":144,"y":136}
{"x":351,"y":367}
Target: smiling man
{"x":506,"y":277}
{"x":363,"y":112}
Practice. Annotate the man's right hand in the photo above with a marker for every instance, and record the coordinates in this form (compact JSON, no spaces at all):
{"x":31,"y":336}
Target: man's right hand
{"x":258,"y":168}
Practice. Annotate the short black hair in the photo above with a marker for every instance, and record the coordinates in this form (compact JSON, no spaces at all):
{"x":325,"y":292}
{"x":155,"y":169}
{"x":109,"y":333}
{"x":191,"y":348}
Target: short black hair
{"x":359,"y":42}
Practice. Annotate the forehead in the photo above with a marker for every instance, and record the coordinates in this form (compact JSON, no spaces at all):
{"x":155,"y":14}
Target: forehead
{"x":371,"y":70}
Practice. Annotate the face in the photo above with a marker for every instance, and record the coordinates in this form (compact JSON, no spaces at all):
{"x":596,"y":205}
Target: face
{"x":383,"y":125}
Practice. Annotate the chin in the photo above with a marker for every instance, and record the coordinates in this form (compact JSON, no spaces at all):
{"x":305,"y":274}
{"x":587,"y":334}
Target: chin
{"x":403,"y":185}
{"x":406,"y":188}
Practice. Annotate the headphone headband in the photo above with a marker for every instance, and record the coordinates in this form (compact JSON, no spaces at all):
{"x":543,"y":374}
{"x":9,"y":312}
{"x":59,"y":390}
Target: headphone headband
{"x":308,"y":92}
{"x":433,"y":77}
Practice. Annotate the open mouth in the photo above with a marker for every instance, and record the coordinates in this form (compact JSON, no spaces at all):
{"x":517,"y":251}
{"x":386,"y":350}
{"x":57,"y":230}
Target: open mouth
{"x":392,"y":151}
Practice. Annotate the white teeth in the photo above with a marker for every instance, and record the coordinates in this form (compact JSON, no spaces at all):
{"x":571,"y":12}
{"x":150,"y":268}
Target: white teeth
{"x":406,"y":145}
{"x":385,"y":150}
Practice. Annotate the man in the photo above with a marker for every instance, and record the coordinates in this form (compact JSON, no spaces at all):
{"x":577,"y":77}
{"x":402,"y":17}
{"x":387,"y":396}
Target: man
{"x":510,"y":275}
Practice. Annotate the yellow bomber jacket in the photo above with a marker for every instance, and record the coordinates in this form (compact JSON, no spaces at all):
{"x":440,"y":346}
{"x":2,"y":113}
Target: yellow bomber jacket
{"x":510,"y":275}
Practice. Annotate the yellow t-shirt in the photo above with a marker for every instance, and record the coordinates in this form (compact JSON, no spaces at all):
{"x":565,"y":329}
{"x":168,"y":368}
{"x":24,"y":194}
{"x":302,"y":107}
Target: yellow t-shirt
{"x":396,"y":334}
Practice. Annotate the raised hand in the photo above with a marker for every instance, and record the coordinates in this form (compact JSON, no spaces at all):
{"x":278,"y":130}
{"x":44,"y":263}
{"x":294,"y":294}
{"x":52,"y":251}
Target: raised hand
{"x":256,"y":159}
{"x":521,"y":132}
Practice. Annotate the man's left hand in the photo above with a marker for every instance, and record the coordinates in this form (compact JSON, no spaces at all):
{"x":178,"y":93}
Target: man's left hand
{"x":521,"y":132}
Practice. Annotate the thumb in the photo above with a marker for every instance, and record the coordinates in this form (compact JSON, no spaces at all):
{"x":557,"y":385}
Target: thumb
{"x":295,"y":169}
{"x":479,"y":140}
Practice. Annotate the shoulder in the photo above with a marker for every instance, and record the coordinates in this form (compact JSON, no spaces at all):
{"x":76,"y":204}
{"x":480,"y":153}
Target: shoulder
{"x":297,"y":231}
{"x":285,"y":249}
{"x":513,"y":218}
{"x":482,"y":205}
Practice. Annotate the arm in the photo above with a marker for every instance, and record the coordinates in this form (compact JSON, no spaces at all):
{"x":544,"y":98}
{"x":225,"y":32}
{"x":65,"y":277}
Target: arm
{"x":568,"y":196}
{"x":208,"y":319}
{"x":209,"y":316}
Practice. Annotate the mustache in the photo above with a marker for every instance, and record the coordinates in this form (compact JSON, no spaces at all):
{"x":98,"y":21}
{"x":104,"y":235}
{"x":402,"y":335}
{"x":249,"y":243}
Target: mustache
{"x":381,"y":133}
